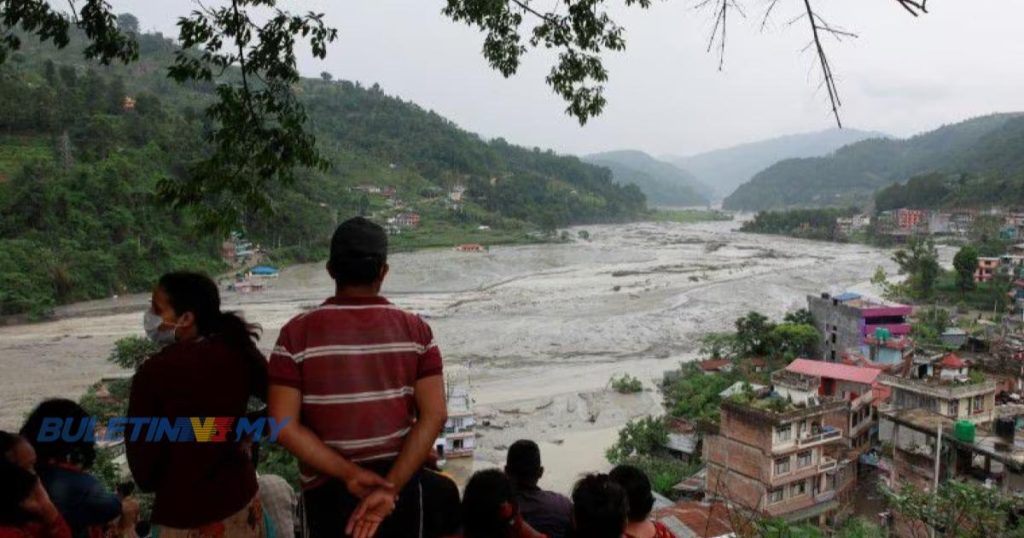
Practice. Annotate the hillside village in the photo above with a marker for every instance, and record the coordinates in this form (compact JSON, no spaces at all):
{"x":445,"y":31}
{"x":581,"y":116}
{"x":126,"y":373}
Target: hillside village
{"x":846,"y":432}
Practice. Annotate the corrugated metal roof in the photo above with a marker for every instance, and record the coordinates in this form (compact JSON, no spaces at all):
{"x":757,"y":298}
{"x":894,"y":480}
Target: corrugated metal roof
{"x":832,"y":370}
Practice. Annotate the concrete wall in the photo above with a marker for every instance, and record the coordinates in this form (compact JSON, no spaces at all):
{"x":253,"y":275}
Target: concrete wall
{"x":840,"y":326}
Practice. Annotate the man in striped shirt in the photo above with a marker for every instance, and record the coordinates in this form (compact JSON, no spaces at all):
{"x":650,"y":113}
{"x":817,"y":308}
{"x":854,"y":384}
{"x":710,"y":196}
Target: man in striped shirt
{"x":360,"y":382}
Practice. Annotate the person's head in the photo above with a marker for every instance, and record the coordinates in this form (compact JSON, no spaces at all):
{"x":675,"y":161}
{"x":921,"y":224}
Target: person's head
{"x":17,"y":450}
{"x":18,"y":485}
{"x":186,"y":306}
{"x":599,"y":507}
{"x":489,"y":508}
{"x":359,"y":256}
{"x":523,"y":463}
{"x":80,"y":452}
{"x":638,"y":491}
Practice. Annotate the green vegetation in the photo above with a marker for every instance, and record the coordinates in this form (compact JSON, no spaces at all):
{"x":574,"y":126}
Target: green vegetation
{"x":929,"y":324}
{"x":919,"y":261}
{"x":965,"y":263}
{"x":626,"y":384}
{"x":83,"y":214}
{"x":803,"y":223}
{"x":988,"y":147}
{"x":694,"y":395}
{"x":687,"y":216}
{"x":960,"y":510}
{"x":640,"y":444}
{"x":662,"y":183}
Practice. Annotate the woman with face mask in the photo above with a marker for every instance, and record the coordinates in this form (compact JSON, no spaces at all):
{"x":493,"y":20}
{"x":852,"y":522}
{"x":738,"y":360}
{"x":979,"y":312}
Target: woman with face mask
{"x":209,"y":367}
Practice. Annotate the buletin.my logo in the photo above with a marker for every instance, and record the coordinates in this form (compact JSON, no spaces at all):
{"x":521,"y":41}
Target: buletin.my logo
{"x":156,"y":429}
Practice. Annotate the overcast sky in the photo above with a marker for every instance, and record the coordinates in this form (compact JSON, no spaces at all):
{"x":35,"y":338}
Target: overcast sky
{"x":665,"y":94}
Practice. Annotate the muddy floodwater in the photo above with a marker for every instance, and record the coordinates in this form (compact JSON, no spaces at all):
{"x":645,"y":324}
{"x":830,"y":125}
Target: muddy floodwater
{"x":534,"y":331}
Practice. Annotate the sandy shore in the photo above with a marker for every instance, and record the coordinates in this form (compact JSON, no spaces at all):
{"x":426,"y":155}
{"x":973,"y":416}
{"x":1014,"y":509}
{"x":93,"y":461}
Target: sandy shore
{"x":537,"y":331}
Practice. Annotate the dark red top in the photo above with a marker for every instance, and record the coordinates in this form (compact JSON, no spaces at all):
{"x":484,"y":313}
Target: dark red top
{"x":195,"y":483}
{"x":34,"y":529}
{"x":356,"y":362}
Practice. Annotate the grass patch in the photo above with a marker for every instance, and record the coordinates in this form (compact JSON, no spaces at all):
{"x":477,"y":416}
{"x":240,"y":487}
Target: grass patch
{"x":983,"y":297}
{"x":439,"y":234}
{"x":15,"y":151}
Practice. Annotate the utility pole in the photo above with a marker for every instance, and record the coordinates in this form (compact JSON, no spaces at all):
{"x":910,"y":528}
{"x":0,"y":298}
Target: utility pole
{"x":938,"y":461}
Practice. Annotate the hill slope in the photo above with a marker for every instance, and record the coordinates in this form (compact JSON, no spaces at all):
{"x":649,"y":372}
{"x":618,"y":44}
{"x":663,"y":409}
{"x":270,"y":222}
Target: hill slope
{"x":853,"y":173}
{"x":79,"y":163}
{"x":662,"y":182}
{"x":726,"y":169}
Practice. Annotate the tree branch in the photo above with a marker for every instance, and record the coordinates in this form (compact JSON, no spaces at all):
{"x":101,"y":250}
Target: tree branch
{"x":826,"y":68}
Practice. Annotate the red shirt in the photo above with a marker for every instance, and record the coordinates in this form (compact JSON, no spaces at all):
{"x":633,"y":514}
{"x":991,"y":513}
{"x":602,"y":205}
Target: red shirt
{"x":356,"y":362}
{"x":35,"y":529}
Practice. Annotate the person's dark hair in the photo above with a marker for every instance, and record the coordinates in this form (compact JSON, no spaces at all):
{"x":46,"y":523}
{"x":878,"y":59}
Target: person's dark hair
{"x":488,"y":505}
{"x":359,"y":250}
{"x":8,"y":441}
{"x":638,"y":491}
{"x":197,"y":293}
{"x":523,"y":462}
{"x":81,"y":452}
{"x":18,"y":484}
{"x":599,"y":507}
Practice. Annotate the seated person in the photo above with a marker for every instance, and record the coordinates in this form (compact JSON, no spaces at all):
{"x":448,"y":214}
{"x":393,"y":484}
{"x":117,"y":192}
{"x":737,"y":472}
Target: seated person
{"x":25,"y":509}
{"x":641,"y":500}
{"x":546,"y":511}
{"x":83,"y":501}
{"x":599,"y":507}
{"x":490,"y":510}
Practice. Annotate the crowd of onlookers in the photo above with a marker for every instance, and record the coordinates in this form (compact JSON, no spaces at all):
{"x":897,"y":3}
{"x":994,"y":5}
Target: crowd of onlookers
{"x":48,"y":491}
{"x":357,"y":385}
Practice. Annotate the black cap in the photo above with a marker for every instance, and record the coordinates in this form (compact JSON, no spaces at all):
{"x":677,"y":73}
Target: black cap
{"x":359,"y":238}
{"x":523,"y":459}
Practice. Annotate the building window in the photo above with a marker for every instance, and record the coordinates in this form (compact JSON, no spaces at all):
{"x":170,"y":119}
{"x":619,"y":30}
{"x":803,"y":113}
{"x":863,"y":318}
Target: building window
{"x":954,"y":408}
{"x":781,"y":466}
{"x":784,"y":433}
{"x":979,"y":403}
{"x":775,"y":495}
{"x":799,"y":489}
{"x":803,"y":459}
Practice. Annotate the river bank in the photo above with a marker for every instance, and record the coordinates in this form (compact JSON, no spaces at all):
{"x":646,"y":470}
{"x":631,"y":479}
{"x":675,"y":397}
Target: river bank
{"x":535,"y":330}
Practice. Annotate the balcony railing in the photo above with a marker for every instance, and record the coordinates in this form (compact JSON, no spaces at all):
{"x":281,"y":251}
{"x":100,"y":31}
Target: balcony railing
{"x":827,"y":464}
{"x":822,"y":437}
{"x":825,"y":496}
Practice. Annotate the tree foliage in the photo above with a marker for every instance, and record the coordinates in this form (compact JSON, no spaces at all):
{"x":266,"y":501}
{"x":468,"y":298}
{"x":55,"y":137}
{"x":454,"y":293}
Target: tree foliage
{"x":258,"y":129}
{"x":804,"y":223}
{"x":643,"y":437}
{"x":966,"y":264}
{"x":959,"y":510}
{"x":919,"y":261}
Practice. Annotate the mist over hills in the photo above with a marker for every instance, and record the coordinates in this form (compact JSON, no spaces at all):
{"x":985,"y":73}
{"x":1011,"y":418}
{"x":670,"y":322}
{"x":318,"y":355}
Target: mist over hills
{"x":724,"y":170}
{"x":663,"y":183}
{"x":992,"y":145}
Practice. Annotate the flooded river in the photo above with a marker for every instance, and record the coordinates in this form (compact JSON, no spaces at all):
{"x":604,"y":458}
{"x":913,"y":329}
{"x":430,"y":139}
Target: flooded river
{"x":535,"y":331}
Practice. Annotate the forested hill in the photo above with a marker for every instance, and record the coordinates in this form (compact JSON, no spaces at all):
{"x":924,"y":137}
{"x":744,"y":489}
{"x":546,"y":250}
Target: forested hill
{"x":79,"y":164}
{"x":986,"y":145}
{"x":726,"y":169}
{"x":663,"y":183}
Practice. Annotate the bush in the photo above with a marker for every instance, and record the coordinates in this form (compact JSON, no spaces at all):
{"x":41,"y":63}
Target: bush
{"x":627,"y":384}
{"x":130,"y":352}
{"x":663,"y":472}
{"x":644,"y":437}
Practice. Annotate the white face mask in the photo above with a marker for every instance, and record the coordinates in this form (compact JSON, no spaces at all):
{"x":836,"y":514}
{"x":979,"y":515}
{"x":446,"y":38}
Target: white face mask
{"x":151,"y":322}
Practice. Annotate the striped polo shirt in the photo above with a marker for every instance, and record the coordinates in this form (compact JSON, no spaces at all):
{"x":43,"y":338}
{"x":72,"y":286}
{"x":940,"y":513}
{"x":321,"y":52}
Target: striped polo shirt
{"x":356,"y":362}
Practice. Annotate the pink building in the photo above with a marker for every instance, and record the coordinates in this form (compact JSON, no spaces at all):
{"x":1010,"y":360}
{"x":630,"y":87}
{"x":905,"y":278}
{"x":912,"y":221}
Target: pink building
{"x":987,"y":269}
{"x":908,"y":219}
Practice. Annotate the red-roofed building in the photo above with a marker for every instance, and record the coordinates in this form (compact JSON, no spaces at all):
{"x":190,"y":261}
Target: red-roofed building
{"x":854,"y":384}
{"x":696,"y":519}
{"x":715,"y":365}
{"x":952,"y":367}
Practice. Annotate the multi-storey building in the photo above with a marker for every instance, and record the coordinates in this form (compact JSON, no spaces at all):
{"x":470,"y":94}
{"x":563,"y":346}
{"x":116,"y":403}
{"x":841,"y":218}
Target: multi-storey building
{"x":781,"y":452}
{"x":849,"y":320}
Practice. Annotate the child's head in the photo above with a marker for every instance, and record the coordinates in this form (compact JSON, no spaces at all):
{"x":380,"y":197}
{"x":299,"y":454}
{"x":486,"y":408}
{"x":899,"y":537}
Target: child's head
{"x":489,"y":507}
{"x":18,"y":485}
{"x":599,"y":507}
{"x":80,"y":452}
{"x":17,"y":450}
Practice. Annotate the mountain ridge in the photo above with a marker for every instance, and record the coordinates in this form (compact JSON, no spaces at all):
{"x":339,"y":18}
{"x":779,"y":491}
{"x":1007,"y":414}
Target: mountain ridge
{"x":662,"y":182}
